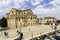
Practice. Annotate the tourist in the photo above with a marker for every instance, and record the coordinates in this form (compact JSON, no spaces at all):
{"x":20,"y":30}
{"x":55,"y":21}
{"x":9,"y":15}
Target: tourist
{"x":29,"y":29}
{"x":18,"y":32}
{"x":6,"y":34}
{"x":55,"y":28}
{"x":21,"y":36}
{"x":51,"y":25}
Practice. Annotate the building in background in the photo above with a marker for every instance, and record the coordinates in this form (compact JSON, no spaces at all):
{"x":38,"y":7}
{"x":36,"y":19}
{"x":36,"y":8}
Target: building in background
{"x":58,"y":22}
{"x":47,"y":20}
{"x":21,"y":18}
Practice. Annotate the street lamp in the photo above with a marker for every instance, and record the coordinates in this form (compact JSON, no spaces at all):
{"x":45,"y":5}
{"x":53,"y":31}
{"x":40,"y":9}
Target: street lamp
{"x":32,"y":36}
{"x":20,"y":27}
{"x":16,"y":22}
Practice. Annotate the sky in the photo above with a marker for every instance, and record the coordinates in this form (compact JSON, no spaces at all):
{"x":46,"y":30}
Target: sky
{"x":41,"y":8}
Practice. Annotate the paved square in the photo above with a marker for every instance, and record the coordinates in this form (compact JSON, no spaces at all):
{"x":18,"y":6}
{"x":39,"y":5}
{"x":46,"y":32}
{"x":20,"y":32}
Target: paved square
{"x":27,"y":32}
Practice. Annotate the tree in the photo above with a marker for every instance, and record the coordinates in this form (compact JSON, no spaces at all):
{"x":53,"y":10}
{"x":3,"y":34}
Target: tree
{"x":0,"y":22}
{"x":4,"y":22}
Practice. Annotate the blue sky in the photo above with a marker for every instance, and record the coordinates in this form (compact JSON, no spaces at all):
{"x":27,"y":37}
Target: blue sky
{"x":41,"y":8}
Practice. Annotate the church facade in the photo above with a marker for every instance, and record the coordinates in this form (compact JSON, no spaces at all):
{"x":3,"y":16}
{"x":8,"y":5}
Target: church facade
{"x":21,"y":18}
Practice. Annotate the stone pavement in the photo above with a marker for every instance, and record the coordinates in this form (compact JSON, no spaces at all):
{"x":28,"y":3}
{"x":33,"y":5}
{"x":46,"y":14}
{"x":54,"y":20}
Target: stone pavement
{"x":27,"y":32}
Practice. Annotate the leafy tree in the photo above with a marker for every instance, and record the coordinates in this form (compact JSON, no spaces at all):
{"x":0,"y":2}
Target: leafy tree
{"x":0,"y":22}
{"x":4,"y":22}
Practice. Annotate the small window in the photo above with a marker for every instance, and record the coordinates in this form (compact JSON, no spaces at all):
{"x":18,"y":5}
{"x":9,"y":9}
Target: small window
{"x":12,"y":12}
{"x":19,"y":19}
{"x":24,"y":13}
{"x":53,"y":21}
{"x":31,"y":18}
{"x":47,"y":21}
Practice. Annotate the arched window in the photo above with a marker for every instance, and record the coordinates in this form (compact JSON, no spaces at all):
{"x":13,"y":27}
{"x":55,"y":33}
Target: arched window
{"x":28,"y":17}
{"x":22,"y":13}
{"x":31,"y":17}
{"x":53,"y":21}
{"x":12,"y":12}
{"x":47,"y":21}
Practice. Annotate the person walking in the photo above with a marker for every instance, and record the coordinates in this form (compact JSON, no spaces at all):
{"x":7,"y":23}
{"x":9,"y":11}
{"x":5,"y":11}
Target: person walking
{"x":51,"y":26}
{"x":21,"y":36}
{"x":18,"y":32}
{"x":6,"y":34}
{"x":55,"y":27}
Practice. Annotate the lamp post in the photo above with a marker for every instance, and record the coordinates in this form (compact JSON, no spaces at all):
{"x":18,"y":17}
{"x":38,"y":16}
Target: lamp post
{"x":16,"y":22}
{"x":32,"y":36}
{"x":54,"y":27}
{"x":41,"y":36}
{"x":20,"y":28}
{"x":20,"y":33}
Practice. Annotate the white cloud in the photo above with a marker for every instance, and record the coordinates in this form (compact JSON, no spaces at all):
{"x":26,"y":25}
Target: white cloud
{"x":5,"y":5}
{"x":41,"y":10}
{"x":27,"y":0}
{"x":55,"y":3}
{"x":18,"y":1}
{"x":38,"y":10}
{"x":35,"y":2}
{"x":56,"y":9}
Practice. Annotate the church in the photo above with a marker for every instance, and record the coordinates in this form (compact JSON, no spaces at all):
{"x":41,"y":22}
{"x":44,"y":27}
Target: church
{"x":21,"y":18}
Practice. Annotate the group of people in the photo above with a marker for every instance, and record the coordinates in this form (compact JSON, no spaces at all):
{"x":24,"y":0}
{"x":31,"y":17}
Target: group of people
{"x":20,"y":34}
{"x":54,"y":26}
{"x":6,"y":34}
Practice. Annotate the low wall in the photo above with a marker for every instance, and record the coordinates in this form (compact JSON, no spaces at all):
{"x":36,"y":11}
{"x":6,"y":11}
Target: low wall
{"x":40,"y":37}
